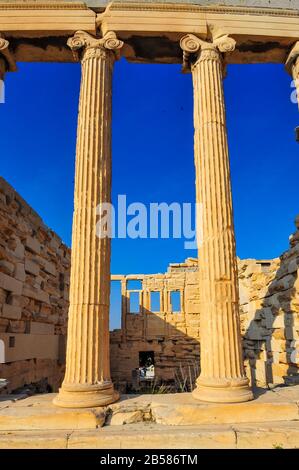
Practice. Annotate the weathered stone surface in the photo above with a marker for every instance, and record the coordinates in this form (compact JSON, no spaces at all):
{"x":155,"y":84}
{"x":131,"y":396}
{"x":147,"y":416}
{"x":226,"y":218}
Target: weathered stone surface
{"x":31,"y":287}
{"x":149,"y":436}
{"x":11,"y":312}
{"x":33,"y":440}
{"x":283,"y":435}
{"x":129,"y":417}
{"x":35,"y":423}
{"x":39,"y":413}
{"x":181,"y":410}
{"x":10,"y":284}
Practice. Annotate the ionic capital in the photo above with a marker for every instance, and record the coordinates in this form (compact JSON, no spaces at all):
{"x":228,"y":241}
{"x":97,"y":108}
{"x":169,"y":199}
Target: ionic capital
{"x":7,"y":64}
{"x":292,"y":62}
{"x":90,"y":46}
{"x":203,"y":50}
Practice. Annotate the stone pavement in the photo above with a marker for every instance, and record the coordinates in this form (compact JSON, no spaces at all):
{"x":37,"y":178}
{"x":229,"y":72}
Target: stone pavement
{"x":153,"y":421}
{"x":274,"y":435}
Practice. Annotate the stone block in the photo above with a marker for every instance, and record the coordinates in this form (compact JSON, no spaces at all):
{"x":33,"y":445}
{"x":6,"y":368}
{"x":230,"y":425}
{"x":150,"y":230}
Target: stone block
{"x":3,"y":295}
{"x":129,"y":417}
{"x":31,"y":267}
{"x":10,"y":284}
{"x":4,"y":322}
{"x":291,"y":333}
{"x":33,"y":245}
{"x":17,"y":326}
{"x":20,"y":272}
{"x":36,"y":294}
{"x":279,"y":333}
{"x":11,"y":312}
{"x":50,"y":268}
{"x":40,"y":413}
{"x":7,"y":267}
{"x":183,"y":410}
{"x":19,"y":251}
{"x":276,"y":345}
{"x":283,"y":435}
{"x":39,"y":328}
{"x":19,"y":347}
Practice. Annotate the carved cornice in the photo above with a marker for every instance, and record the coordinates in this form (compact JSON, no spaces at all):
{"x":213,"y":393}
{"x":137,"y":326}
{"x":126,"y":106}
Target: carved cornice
{"x":51,"y":5}
{"x":199,"y":50}
{"x":202,"y":9}
{"x":10,"y":64}
{"x":292,"y":62}
{"x":90,"y":46}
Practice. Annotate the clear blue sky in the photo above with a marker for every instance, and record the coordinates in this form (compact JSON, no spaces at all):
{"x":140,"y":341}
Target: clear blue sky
{"x":153,"y":151}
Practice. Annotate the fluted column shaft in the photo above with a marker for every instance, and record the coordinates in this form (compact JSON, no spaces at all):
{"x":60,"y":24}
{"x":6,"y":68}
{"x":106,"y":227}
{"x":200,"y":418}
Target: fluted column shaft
{"x":87,"y":378}
{"x":222,"y":375}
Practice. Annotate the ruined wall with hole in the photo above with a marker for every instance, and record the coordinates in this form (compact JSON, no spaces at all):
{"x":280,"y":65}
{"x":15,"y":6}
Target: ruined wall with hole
{"x":171,"y":333}
{"x":34,"y":283}
{"x":269,"y":317}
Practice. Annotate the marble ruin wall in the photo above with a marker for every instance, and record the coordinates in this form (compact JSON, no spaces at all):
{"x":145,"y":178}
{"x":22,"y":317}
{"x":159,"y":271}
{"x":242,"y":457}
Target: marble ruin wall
{"x":269,"y":314}
{"x":34,"y":283}
{"x":171,"y":335}
{"x":269,"y":295}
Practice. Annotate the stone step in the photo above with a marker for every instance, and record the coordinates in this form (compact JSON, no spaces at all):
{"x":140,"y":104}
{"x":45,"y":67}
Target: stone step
{"x":273,"y":435}
{"x":38,"y":412}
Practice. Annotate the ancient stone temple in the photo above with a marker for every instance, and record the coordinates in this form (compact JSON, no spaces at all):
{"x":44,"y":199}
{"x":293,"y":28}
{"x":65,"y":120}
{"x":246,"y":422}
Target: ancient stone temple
{"x":204,"y":37}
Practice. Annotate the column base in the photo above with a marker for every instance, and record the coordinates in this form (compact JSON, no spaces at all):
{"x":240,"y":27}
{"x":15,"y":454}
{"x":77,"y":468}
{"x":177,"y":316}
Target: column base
{"x":223,"y":390}
{"x":86,"y":396}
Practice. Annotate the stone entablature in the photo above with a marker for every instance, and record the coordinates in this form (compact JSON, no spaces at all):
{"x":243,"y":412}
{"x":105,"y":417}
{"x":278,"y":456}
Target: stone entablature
{"x":37,"y":30}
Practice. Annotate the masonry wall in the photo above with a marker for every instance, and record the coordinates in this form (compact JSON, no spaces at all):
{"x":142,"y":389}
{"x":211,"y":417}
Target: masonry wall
{"x":34,"y":283}
{"x":269,"y":294}
{"x":172,"y":336}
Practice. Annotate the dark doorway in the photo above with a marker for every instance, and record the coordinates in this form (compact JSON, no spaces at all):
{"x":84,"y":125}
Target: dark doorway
{"x":146,"y":358}
{"x":146,"y":366}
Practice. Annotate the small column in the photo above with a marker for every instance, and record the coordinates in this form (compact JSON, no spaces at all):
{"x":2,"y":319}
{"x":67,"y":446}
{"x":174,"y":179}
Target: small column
{"x":7,"y":61}
{"x":87,"y":381}
{"x":124,"y":309}
{"x":222,"y":377}
{"x":292,"y":66}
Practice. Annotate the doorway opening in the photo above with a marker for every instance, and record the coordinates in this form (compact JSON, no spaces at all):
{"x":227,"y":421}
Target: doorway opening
{"x":146,"y":365}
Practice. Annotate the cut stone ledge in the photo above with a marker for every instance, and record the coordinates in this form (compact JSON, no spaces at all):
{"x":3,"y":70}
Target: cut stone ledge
{"x":38,"y":412}
{"x":271,"y":435}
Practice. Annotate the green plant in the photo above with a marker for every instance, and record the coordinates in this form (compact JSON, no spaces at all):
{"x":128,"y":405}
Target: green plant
{"x":185,"y":377}
{"x":277,"y":446}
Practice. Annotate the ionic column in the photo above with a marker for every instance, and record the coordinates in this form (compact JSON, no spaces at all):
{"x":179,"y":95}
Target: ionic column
{"x":292,"y":66}
{"x":222,"y":377}
{"x":87,"y":381}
